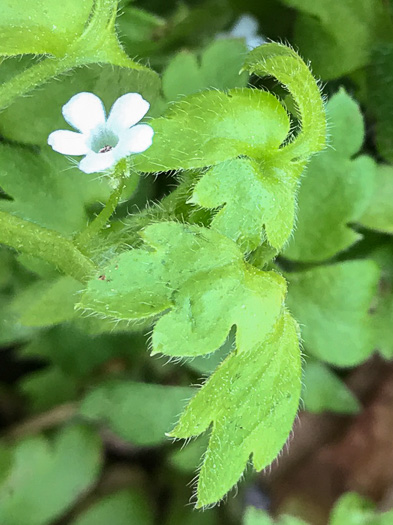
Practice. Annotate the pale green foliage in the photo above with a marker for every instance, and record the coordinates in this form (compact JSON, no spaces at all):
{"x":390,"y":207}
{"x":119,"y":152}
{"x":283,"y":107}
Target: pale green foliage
{"x":258,"y":199}
{"x":138,"y":412}
{"x":56,"y":471}
{"x":331,"y":304}
{"x":218,"y":67}
{"x":42,"y":26}
{"x":207,"y":293}
{"x":126,"y":507}
{"x":323,"y":390}
{"x":255,"y":516}
{"x":379,"y":213}
{"x":211,"y":127}
{"x":251,"y":399}
{"x":342,"y":183}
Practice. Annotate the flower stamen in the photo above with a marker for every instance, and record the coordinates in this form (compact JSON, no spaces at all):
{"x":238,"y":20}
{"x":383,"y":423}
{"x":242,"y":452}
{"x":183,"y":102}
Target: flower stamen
{"x":105,"y":149}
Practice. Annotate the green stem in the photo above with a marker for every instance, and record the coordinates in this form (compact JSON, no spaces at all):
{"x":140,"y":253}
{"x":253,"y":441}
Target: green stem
{"x":29,"y":238}
{"x":34,"y":76}
{"x":84,"y":238}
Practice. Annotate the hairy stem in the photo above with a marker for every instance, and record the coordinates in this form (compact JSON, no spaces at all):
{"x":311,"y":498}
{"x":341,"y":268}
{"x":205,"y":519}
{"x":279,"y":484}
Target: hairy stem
{"x":29,"y":238}
{"x":84,"y":238}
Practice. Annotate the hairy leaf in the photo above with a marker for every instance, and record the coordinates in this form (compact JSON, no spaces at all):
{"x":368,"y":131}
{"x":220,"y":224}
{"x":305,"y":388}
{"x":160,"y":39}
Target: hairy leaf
{"x":331,"y":304}
{"x":43,"y":26}
{"x":210,"y":127}
{"x":336,"y":189}
{"x":201,"y":278}
{"x":252,"y":400}
{"x":257,"y":199}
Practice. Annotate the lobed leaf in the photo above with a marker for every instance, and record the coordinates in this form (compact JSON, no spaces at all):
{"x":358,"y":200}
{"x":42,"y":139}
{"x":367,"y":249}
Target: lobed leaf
{"x":379,"y":213}
{"x":211,"y":127}
{"x":199,"y":277}
{"x":45,"y":478}
{"x":332,"y":305}
{"x":287,"y":67}
{"x":336,"y":189}
{"x":257,"y":199}
{"x":251,"y":399}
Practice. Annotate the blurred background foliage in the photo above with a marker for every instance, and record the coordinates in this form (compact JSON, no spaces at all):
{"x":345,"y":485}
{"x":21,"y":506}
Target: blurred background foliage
{"x":84,"y":409}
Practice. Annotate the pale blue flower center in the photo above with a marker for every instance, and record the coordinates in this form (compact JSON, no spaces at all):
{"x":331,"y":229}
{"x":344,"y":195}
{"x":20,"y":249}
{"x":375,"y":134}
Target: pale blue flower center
{"x":103,"y":140}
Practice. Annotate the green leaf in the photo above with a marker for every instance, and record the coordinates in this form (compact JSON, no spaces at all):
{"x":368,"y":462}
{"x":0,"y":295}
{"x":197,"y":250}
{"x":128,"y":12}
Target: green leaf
{"x":252,"y":400}
{"x":218,"y":68}
{"x":188,"y":459}
{"x":138,"y":412}
{"x":379,"y":213}
{"x":336,"y":189}
{"x":43,"y":26}
{"x":47,"y":388}
{"x":210,"y":127}
{"x":200,"y":276}
{"x":323,"y":390}
{"x":41,"y":194}
{"x":337,"y":36}
{"x":256,"y":199}
{"x":285,"y":64}
{"x":54,"y":304}
{"x":353,"y":509}
{"x":47,"y":477}
{"x":331,"y":304}
{"x":125,"y":507}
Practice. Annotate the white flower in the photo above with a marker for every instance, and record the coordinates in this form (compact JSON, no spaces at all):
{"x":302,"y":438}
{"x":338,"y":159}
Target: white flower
{"x":103,"y":141}
{"x":245,"y":27}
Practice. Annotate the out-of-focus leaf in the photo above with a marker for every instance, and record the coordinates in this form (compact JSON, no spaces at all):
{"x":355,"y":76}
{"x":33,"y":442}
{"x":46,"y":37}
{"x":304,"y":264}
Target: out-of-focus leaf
{"x":323,"y":390}
{"x":379,"y":213}
{"x":47,"y":477}
{"x":332,"y":303}
{"x":126,"y":507}
{"x":138,"y":412}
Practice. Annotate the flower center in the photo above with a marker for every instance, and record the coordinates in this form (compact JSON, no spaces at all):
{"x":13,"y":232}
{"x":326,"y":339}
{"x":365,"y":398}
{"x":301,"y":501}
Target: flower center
{"x":103,"y":140}
{"x":105,"y":149}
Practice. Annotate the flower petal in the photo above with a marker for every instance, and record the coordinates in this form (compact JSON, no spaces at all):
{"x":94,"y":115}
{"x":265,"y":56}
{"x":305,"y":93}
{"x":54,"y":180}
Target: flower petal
{"x":84,"y":112}
{"x":68,"y":142}
{"x":127,"y":111}
{"x":96,"y":162}
{"x":134,"y":140}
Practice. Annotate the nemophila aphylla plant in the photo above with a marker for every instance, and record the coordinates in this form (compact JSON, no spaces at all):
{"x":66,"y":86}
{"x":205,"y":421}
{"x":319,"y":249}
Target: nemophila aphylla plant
{"x":169,"y":212}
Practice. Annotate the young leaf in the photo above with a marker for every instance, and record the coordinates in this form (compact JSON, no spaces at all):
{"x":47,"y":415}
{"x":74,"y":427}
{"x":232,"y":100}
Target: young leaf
{"x":126,"y":507}
{"x":201,"y":278}
{"x":331,"y":304}
{"x":251,"y":399}
{"x":257,"y":199}
{"x":353,"y":509}
{"x":138,"y":412}
{"x":211,"y":127}
{"x":46,"y":478}
{"x":341,"y":185}
{"x":323,"y":390}
{"x":286,"y":65}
